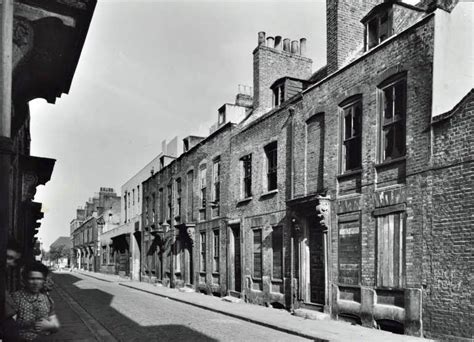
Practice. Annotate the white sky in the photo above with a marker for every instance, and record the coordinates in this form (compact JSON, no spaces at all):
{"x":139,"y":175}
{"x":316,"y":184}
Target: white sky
{"x":151,"y":70}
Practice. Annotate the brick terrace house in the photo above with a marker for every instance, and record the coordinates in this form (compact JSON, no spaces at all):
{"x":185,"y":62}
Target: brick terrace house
{"x":101,"y":212}
{"x":184,"y":211}
{"x":344,"y":192}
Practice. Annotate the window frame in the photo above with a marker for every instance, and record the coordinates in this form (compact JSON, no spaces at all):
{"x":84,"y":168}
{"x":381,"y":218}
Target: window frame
{"x":376,"y":19}
{"x":350,"y":105}
{"x":215,"y":250}
{"x":271,"y":171}
{"x":383,"y":124}
{"x":246,"y":176}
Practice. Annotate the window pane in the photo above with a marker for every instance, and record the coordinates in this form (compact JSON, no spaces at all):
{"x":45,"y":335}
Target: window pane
{"x":388,"y":104}
{"x":348,"y":123}
{"x":400,"y":95}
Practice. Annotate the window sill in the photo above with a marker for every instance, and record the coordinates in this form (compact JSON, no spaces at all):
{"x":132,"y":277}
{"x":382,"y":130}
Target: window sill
{"x":215,"y":273}
{"x":245,"y":200}
{"x":388,"y":162}
{"x":277,"y":280}
{"x":269,"y":193}
{"x":257,"y":279}
{"x":348,"y":174}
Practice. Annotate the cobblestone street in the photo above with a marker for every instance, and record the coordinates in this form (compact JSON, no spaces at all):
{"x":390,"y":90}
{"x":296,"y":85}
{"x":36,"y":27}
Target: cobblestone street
{"x":130,"y":315}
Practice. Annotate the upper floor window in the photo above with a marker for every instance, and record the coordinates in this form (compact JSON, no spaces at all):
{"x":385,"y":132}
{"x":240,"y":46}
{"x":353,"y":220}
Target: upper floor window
{"x":203,"y":185}
{"x":278,"y":95}
{"x":138,"y":193}
{"x":272,"y":163}
{"x":216,"y":183}
{"x":178,"y":197}
{"x":133,"y":196}
{"x":378,"y":28}
{"x":246,"y":166}
{"x":351,"y":149}
{"x":392,"y":119}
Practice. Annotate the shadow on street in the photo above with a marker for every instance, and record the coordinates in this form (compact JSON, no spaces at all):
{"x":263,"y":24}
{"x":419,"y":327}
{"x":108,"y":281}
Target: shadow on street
{"x":98,"y":304}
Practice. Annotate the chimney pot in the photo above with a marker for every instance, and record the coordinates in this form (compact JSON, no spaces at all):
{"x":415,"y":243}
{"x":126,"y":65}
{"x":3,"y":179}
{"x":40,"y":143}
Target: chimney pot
{"x":278,"y":43}
{"x":261,"y":38}
{"x":270,"y":42}
{"x":303,"y":47}
{"x":295,"y":47}
{"x":286,"y":44}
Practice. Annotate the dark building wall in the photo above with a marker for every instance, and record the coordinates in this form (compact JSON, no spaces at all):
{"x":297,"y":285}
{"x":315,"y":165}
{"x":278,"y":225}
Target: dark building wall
{"x":447,"y":225}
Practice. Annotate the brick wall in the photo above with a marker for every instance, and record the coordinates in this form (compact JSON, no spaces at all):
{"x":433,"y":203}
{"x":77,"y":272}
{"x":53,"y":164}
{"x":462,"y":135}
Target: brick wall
{"x":447,"y":257}
{"x":270,"y":64}
{"x":264,"y":210}
{"x":345,"y":32}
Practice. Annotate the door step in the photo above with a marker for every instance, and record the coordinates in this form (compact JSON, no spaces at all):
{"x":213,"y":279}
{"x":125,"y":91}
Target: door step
{"x":311,"y":314}
{"x":186,"y":289}
{"x":232,"y":299}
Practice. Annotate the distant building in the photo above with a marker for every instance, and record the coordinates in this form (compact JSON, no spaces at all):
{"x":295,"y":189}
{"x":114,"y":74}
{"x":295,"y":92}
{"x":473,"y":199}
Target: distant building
{"x":120,"y":244}
{"x":101,"y":212}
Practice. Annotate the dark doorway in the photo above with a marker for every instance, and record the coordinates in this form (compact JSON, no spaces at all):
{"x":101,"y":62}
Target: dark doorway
{"x":237,"y":261}
{"x":316,"y":261}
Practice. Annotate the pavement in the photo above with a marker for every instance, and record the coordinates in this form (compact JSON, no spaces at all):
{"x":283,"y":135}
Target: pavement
{"x":281,"y":320}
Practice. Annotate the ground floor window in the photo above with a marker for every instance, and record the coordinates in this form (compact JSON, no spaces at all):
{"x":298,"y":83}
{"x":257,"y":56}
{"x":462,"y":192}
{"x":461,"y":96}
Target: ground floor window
{"x":349,"y":250}
{"x":257,"y":253}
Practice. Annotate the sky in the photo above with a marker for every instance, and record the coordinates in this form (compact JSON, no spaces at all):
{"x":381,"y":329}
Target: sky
{"x":149,"y":71}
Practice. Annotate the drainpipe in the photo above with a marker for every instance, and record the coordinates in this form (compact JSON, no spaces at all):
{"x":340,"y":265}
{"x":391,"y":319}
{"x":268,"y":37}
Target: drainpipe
{"x":6,"y":44}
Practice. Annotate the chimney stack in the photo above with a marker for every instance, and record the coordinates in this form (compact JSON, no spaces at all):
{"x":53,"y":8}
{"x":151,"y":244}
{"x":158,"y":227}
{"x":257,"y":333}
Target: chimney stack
{"x":278,"y":58}
{"x":344,"y":32}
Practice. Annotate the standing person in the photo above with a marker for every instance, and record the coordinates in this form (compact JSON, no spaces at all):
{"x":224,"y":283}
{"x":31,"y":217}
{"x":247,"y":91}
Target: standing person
{"x":9,"y":330}
{"x":36,"y":314}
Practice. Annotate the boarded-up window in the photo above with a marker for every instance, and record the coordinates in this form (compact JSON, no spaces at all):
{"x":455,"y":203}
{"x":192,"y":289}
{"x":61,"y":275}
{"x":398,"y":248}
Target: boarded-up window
{"x":257,"y":253}
{"x":314,"y":153}
{"x":277,"y":247}
{"x":349,"y":252}
{"x":390,"y":250}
